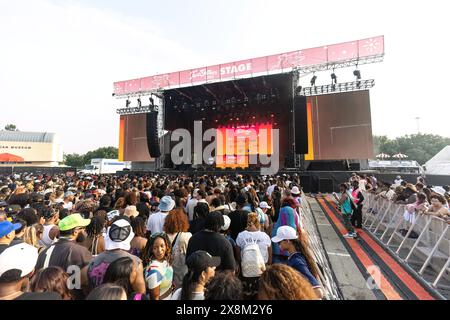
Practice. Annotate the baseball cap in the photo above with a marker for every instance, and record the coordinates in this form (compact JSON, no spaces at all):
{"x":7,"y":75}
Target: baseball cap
{"x":112,"y":214}
{"x":201,"y":260}
{"x":285,"y":233}
{"x":264,"y":205}
{"x":131,"y":211}
{"x":3,"y":204}
{"x":13,"y":209}
{"x":439,"y":190}
{"x":7,"y":227}
{"x":22,"y":257}
{"x":73,"y":221}
{"x":166,"y":204}
{"x":119,"y":235}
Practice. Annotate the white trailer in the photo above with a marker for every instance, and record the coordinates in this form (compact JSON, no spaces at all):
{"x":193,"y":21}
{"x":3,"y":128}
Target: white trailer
{"x":106,"y":166}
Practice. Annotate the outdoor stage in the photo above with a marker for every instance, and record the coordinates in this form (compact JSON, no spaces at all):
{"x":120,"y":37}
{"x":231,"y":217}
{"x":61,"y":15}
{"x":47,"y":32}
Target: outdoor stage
{"x":246,"y":99}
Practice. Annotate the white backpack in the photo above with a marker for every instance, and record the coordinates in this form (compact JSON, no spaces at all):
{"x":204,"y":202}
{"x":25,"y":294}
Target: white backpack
{"x":252,"y":261}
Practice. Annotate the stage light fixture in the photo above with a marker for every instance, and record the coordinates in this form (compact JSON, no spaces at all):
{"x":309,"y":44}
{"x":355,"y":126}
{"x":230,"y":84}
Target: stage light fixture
{"x":357,"y":74}
{"x":298,"y":90}
{"x":313,"y":81}
{"x":152,"y":101}
{"x":128,"y":102}
{"x":139,"y":102}
{"x":333,"y":78}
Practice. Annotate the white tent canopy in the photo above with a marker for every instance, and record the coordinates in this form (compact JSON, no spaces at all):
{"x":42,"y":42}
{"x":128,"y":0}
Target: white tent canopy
{"x":440,"y":163}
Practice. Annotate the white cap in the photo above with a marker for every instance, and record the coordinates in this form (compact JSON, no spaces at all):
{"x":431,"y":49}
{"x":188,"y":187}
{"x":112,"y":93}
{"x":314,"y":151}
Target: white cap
{"x":295,"y":190}
{"x":439,"y":190}
{"x":21,"y":256}
{"x":119,"y":230}
{"x":131,"y":211}
{"x":285,"y":233}
{"x":195,"y":193}
{"x":227,"y":222}
{"x":264,"y":205}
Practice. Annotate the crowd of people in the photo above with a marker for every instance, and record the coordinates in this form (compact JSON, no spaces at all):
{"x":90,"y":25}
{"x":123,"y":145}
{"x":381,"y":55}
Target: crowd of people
{"x":418,"y":198}
{"x":154,"y":237}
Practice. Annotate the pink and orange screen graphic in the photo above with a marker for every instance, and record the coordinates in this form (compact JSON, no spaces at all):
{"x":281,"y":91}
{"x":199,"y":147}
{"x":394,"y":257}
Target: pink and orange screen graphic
{"x":235,"y":144}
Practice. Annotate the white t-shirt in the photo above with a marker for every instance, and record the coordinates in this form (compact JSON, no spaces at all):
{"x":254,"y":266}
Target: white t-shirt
{"x":390,"y":194}
{"x":362,"y":184}
{"x":261,"y":238}
{"x":190,"y":208}
{"x":156,"y":221}
{"x":270,"y":189}
{"x":195,"y":295}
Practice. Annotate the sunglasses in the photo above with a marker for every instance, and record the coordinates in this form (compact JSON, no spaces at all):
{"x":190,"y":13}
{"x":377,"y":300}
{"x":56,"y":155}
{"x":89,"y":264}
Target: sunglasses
{"x":159,"y":234}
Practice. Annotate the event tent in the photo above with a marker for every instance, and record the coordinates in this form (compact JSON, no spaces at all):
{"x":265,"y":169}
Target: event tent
{"x":440,"y":163}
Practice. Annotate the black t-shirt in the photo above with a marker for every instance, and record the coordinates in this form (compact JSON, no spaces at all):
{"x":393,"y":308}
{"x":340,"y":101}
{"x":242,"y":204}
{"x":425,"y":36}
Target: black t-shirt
{"x":216,"y":245}
{"x":16,"y":241}
{"x":39,"y":296}
{"x":3,"y":247}
{"x":238,"y":222}
{"x":64,"y":253}
{"x":197,"y":225}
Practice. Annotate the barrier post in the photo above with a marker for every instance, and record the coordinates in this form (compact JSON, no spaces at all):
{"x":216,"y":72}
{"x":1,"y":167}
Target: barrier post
{"x":433,"y":250}
{"x":418,"y":240}
{"x":446,"y":266}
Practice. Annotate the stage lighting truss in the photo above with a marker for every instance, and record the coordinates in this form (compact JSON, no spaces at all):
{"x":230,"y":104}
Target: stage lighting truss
{"x":341,"y":64}
{"x":336,"y":88}
{"x":137,"y":110}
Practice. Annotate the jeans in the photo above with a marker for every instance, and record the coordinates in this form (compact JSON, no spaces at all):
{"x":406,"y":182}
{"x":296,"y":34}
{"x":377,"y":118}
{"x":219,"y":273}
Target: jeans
{"x":348,"y":223}
{"x":357,"y":217}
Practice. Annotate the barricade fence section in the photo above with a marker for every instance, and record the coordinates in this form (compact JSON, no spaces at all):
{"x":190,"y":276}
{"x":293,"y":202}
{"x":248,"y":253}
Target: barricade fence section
{"x":308,"y":225}
{"x":420,"y":241}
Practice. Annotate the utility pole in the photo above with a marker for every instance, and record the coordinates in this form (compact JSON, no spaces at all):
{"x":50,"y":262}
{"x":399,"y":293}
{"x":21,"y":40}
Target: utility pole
{"x":418,"y":125}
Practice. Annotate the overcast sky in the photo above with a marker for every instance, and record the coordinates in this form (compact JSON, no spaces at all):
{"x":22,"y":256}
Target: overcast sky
{"x":59,"y":59}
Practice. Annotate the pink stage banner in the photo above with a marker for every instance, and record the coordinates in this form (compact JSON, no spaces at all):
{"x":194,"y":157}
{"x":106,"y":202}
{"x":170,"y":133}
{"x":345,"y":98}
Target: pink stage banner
{"x":271,"y":64}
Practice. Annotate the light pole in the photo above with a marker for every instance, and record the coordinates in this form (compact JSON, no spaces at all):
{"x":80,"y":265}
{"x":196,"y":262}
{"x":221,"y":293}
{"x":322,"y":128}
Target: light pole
{"x":418,"y":125}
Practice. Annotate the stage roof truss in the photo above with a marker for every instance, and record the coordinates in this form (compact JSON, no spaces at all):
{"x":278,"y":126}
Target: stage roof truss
{"x":335,"y":56}
{"x":337,"y":88}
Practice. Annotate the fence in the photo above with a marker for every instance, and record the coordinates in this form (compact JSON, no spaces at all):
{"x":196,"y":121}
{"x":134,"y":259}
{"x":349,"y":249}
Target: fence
{"x":422,"y":243}
{"x":308,"y":224}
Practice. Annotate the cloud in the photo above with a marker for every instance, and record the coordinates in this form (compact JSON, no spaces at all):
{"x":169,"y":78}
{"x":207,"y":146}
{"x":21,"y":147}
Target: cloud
{"x":59,"y":62}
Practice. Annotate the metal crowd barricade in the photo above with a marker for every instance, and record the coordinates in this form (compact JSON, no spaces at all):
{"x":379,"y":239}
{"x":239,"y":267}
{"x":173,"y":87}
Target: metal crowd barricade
{"x":307,"y":223}
{"x":427,"y":253}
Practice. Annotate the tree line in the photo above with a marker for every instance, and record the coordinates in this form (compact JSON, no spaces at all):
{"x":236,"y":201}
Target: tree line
{"x":79,"y":160}
{"x":418,"y":147}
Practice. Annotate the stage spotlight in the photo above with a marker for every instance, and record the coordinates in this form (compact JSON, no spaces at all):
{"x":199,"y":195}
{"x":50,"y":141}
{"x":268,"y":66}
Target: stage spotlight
{"x":357,"y":74}
{"x":152,"y":102}
{"x":139,"y":101}
{"x":298,"y":90}
{"x":313,"y":81}
{"x":128,"y":102}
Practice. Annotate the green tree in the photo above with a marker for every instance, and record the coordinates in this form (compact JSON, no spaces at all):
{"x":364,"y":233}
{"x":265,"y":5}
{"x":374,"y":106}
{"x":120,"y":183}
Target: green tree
{"x":418,"y":147}
{"x":11,"y":127}
{"x":101,"y":153}
{"x":80,"y":160}
{"x":74,"y":160}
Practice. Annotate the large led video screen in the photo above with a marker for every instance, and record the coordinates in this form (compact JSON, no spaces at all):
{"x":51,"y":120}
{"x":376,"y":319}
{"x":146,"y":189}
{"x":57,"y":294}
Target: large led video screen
{"x":339,"y":126}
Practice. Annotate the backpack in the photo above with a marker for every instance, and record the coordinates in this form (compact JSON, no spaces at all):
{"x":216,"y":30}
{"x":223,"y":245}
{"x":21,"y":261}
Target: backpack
{"x":352,"y":201}
{"x":261,"y":216}
{"x":252,"y":262}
